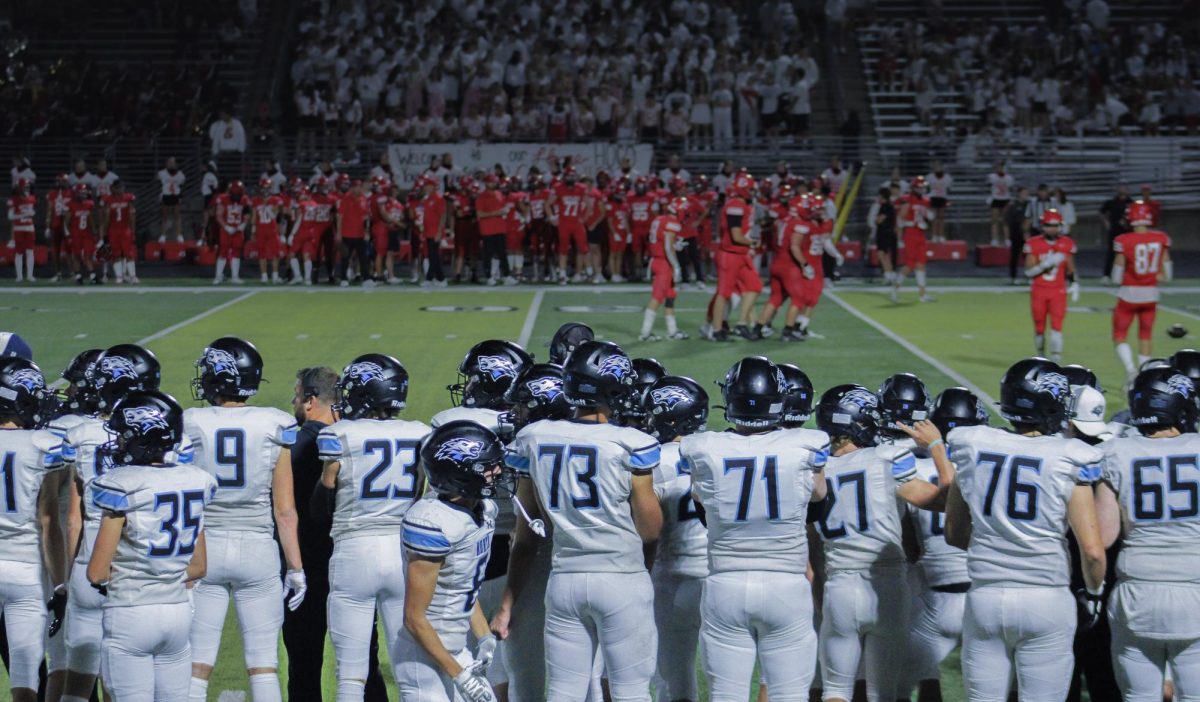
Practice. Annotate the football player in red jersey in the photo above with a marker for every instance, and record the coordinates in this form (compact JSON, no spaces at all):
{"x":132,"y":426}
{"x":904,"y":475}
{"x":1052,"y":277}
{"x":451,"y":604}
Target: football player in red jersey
{"x":305,"y":235}
{"x":914,"y":216}
{"x":56,"y":219}
{"x":595,"y":222}
{"x":701,"y":202}
{"x":264,"y":229}
{"x":432,"y":220}
{"x":81,"y":231}
{"x":120,"y":222}
{"x":387,"y":217}
{"x":816,"y":243}
{"x":643,"y":207}
{"x":664,"y":235}
{"x":566,"y":207}
{"x":350,"y":232}
{"x":232,"y":209}
{"x":735,"y":259}
{"x":491,"y":207}
{"x":541,"y":234}
{"x":1143,"y":258}
{"x":1050,"y":264}
{"x":619,"y":237}
{"x":518,"y":221}
{"x":21,"y":210}
{"x":787,"y":261}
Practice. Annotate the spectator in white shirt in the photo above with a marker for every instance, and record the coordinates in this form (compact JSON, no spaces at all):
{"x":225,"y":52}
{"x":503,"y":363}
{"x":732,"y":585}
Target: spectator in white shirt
{"x":1097,"y":14}
{"x":1066,"y":208}
{"x":101,"y":181}
{"x":1150,"y":117}
{"x":674,"y":170}
{"x":172,"y":180}
{"x":499,"y":122}
{"x":722,"y":109}
{"x":227,"y":134}
{"x":804,"y":77}
{"x":21,"y":170}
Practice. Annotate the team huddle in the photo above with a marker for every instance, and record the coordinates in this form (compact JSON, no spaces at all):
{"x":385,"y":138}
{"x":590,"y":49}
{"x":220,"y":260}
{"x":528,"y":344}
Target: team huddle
{"x":572,"y":530}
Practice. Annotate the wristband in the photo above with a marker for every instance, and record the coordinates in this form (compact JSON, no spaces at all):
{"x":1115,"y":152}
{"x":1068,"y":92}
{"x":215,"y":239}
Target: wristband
{"x":935,"y":442}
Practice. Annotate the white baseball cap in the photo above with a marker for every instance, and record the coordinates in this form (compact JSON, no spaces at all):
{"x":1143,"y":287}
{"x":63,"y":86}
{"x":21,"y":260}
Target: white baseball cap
{"x":1086,"y":412}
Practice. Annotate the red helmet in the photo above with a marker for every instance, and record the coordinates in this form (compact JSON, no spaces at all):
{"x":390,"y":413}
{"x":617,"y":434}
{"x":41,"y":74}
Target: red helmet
{"x":296,"y":184}
{"x":640,"y":184}
{"x":321,"y":184}
{"x":918,"y":182}
{"x":816,"y":206}
{"x":80,"y":190}
{"x":537,"y":180}
{"x":62,"y":179}
{"x":700,"y":183}
{"x":570,"y":173}
{"x":1052,"y":218}
{"x":491,"y":179}
{"x":742,"y":185}
{"x":342,"y":181}
{"x":677,"y":184}
{"x":1139,"y":214}
{"x":236,"y":188}
{"x":264,"y":182}
{"x":22,"y":184}
{"x":677,"y":205}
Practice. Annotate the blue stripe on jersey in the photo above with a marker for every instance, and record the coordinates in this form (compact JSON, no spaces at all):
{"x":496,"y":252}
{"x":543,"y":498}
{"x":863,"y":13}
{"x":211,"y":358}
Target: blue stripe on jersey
{"x":1089,"y":474}
{"x":110,"y":500}
{"x":821,"y":457}
{"x":645,"y":457}
{"x":53,"y":457}
{"x":433,"y":542}
{"x":517,"y":462}
{"x":287,"y":436}
{"x":186,"y":455}
{"x":682,"y":467}
{"x":69,"y":453}
{"x":329,"y":446}
{"x":904,"y":466}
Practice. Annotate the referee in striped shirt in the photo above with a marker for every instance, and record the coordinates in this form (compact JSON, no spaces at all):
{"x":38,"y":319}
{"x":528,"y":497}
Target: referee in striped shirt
{"x":1034,"y":210}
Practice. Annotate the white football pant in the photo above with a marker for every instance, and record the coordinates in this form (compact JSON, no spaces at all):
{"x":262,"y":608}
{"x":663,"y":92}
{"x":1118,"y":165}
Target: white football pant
{"x":25,"y":620}
{"x":418,"y":677}
{"x":145,"y":656}
{"x":677,"y":617}
{"x":524,"y":650}
{"x":864,"y":625}
{"x":1031,"y":627}
{"x":935,"y":628}
{"x":1153,"y":630}
{"x":84,"y":627}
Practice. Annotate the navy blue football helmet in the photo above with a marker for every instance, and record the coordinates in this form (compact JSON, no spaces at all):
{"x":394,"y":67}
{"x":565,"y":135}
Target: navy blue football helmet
{"x":675,"y":406}
{"x":536,"y":394}
{"x":598,"y":373}
{"x":850,"y":411}
{"x":145,"y":425}
{"x":465,"y":459}
{"x":229,"y":367}
{"x":120,"y":370}
{"x":372,"y":382}
{"x":957,"y":407}
{"x":753,"y":393}
{"x":1034,"y":393}
{"x":487,"y":372}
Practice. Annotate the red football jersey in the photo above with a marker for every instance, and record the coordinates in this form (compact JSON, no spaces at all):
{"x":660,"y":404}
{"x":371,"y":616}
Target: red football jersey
{"x":352,"y":209}
{"x":813,"y":244}
{"x":80,"y":216}
{"x":537,"y":203}
{"x":1143,"y":253}
{"x":792,"y":227}
{"x":569,"y":202}
{"x":20,"y":212}
{"x":659,"y":228}
{"x":914,"y":212}
{"x":266,"y":212}
{"x":516,"y":218}
{"x":120,"y":211}
{"x":641,"y":212}
{"x":57,"y":201}
{"x":232,"y":213}
{"x":618,"y":220}
{"x":736,"y":213}
{"x":1054,"y":278}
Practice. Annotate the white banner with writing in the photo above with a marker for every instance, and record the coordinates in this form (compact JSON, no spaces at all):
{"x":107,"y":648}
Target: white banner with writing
{"x":411,"y":160}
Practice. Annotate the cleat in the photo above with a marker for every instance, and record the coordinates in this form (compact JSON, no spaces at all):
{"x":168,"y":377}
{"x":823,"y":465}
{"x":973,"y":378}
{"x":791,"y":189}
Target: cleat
{"x":679,"y":336}
{"x":747,"y":333}
{"x":649,"y":337}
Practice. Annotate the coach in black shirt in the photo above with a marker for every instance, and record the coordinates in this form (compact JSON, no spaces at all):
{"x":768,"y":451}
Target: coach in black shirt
{"x":1113,"y":212}
{"x":1014,"y":220}
{"x":304,"y":629}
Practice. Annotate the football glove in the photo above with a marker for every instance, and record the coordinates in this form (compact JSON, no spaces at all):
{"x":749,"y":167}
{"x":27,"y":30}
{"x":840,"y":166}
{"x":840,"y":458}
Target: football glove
{"x":676,"y":275}
{"x":295,"y":586}
{"x":58,"y":608}
{"x":1091,"y":608}
{"x":473,"y":686}
{"x":809,"y":271}
{"x":485,"y":650}
{"x":1073,"y":289}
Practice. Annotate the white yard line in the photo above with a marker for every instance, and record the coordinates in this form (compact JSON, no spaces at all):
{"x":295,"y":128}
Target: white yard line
{"x":1176,"y":310}
{"x":911,"y":348}
{"x":196,"y":318}
{"x":531,"y":318}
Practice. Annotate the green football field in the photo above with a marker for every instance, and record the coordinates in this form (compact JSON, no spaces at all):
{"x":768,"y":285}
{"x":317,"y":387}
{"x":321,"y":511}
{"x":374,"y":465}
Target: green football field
{"x":968,"y":336}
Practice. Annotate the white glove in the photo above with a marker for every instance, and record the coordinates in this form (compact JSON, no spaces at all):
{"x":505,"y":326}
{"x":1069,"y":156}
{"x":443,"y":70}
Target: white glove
{"x":12,"y":243}
{"x":473,"y":687}
{"x":676,"y":275}
{"x":485,"y":650}
{"x":809,"y":271}
{"x":295,"y":586}
{"x":1073,"y":288}
{"x":680,"y":244}
{"x":1054,"y":258}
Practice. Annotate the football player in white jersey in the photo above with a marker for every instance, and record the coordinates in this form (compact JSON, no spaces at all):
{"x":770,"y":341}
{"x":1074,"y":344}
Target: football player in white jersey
{"x":755,"y":484}
{"x":595,"y":483}
{"x":115,"y":373}
{"x":865,"y":618}
{"x":536,"y":394}
{"x":676,"y":407}
{"x":935,"y":622}
{"x":149,"y":544}
{"x":447,"y":543}
{"x":632,"y":412}
{"x":566,"y":338}
{"x":370,"y":480}
{"x":1014,"y":497}
{"x":1149,"y":488}
{"x":246,"y":449}
{"x":30,"y":474}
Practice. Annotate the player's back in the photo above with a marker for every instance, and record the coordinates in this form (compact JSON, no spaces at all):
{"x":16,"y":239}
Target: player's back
{"x":755,"y":490}
{"x":941,"y":563}
{"x":1156,"y":482}
{"x":484,"y":416}
{"x":861,"y":528}
{"x":683,"y":543}
{"x":81,"y":449}
{"x":438,"y":529}
{"x":239,"y":447}
{"x":1144,"y":255}
{"x":26,"y":456}
{"x":581,"y":471}
{"x":164,"y":509}
{"x":378,"y":479}
{"x":1018,"y":488}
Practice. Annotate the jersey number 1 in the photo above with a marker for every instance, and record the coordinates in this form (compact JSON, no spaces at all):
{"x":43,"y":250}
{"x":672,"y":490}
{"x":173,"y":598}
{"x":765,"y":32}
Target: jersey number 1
{"x":10,"y":481}
{"x":770,"y":479}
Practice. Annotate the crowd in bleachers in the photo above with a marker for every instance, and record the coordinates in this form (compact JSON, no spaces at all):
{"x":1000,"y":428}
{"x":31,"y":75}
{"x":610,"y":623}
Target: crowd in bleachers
{"x":1074,"y":74}
{"x":551,"y":70}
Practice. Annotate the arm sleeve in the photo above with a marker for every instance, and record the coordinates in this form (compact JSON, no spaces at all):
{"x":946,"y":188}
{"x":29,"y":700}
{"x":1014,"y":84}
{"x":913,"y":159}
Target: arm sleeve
{"x":904,"y":466}
{"x":644,"y":459}
{"x":517,"y":456}
{"x":422,"y":536}
{"x":329,"y":445}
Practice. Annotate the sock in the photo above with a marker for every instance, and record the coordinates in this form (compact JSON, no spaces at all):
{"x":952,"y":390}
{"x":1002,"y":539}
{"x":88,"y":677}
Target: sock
{"x":308,"y":271}
{"x":295,"y":266}
{"x":18,"y":261}
{"x":672,"y":327}
{"x":735,"y":301}
{"x":920,"y":276}
{"x":350,"y":689}
{"x":898,"y":280}
{"x":265,"y":687}
{"x":29,"y":265}
{"x":802,"y":322}
{"x":1039,"y":344}
{"x":1056,"y":345}
{"x":235,"y":266}
{"x":1126,"y":355}
{"x":495,"y":270}
{"x":73,"y":698}
{"x":520,"y":263}
{"x":198,"y":691}
{"x":889,"y":276}
{"x":119,"y":269}
{"x":648,"y":320}
{"x":220,"y":268}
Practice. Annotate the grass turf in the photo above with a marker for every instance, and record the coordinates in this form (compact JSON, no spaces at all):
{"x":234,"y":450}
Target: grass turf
{"x":976,"y":334}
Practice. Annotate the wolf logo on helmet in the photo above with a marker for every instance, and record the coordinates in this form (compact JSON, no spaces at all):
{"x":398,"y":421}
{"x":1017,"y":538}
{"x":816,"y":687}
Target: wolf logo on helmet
{"x":145,"y":418}
{"x":862,"y":398}
{"x":364,"y":372}
{"x":497,"y":366}
{"x":33,"y":380}
{"x":115,"y":368}
{"x":669,"y":397}
{"x":617,"y":366}
{"x":1182,"y":385}
{"x":220,"y":362}
{"x":545,"y":388}
{"x":1054,"y":383}
{"x":459,"y":449}
{"x":783,"y":383}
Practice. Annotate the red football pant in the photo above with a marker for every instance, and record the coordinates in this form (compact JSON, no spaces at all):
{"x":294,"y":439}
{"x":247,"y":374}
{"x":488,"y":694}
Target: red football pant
{"x":663,"y":287}
{"x":914,"y":247}
{"x":571,"y":231}
{"x":23,"y":240}
{"x":735,"y":273}
{"x":514,"y":240}
{"x":617,"y":243}
{"x":1123,"y":315}
{"x":786,"y":283}
{"x":811,"y":291}
{"x":1048,"y":303}
{"x":83,"y":244}
{"x":230,"y":244}
{"x":121,"y":243}
{"x":269,"y":247}
{"x":304,"y":243}
{"x":639,"y":238}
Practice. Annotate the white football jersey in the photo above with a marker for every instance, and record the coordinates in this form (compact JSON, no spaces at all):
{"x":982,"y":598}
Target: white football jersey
{"x":941,"y":563}
{"x":583,"y":474}
{"x":755,"y":490}
{"x":378,"y":480}
{"x":62,"y":424}
{"x":861,"y":529}
{"x":506,"y":520}
{"x":1017,"y":488}
{"x":81,"y":449}
{"x":1157,"y":482}
{"x":26,"y":456}
{"x":239,"y":447}
{"x":164,"y":510}
{"x":683,"y":543}
{"x":436,"y":528}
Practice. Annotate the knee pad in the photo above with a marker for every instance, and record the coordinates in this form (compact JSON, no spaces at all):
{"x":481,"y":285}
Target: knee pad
{"x":670,"y":303}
